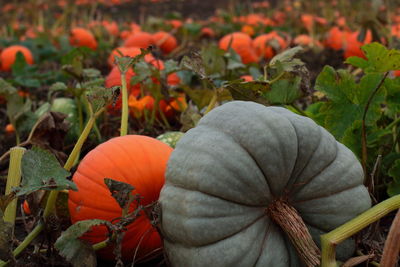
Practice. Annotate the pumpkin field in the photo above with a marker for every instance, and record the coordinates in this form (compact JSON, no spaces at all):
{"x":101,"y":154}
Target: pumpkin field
{"x":180,"y":133}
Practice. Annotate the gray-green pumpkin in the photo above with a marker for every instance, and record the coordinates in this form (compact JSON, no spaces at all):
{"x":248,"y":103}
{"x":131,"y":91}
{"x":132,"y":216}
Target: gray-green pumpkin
{"x":226,"y":171}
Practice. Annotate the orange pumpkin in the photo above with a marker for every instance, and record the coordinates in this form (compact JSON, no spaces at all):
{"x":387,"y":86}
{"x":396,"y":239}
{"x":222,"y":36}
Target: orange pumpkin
{"x":81,"y":37}
{"x":127,"y":51}
{"x":165,"y":41}
{"x":139,"y":39}
{"x":242,"y":44}
{"x":264,"y":47}
{"x":8,"y":55}
{"x":138,"y":160}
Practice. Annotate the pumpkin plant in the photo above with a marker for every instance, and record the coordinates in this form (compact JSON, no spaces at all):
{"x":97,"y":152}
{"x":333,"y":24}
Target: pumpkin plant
{"x":253,"y":192}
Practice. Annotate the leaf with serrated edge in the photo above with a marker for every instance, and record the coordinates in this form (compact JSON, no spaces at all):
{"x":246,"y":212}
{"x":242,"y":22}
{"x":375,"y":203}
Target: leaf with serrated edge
{"x":379,"y":59}
{"x":41,"y":170}
{"x":75,"y":250}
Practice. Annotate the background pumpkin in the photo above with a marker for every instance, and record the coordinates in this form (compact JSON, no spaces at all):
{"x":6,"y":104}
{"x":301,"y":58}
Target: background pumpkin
{"x":9,"y":54}
{"x":138,"y":160}
{"x":225,"y":173}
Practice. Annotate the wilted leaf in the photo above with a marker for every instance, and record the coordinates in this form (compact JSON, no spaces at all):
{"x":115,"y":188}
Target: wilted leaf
{"x":194,"y":62}
{"x":99,"y":96}
{"x":120,"y":191}
{"x":49,"y":133}
{"x":248,"y":91}
{"x":286,"y":56}
{"x":75,"y":250}
{"x":213,"y":60}
{"x":41,"y":170}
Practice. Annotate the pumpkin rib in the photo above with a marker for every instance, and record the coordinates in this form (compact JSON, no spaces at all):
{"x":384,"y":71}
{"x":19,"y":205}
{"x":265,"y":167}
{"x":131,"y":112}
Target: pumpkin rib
{"x":315,"y":175}
{"x":227,"y":134}
{"x":208,"y":129}
{"x":290,"y":187}
{"x":264,"y":241}
{"x":319,"y":197}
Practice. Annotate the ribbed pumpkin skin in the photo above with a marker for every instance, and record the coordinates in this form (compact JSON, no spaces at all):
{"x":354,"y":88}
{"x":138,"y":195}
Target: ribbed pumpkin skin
{"x":138,"y":160}
{"x":225,"y":172}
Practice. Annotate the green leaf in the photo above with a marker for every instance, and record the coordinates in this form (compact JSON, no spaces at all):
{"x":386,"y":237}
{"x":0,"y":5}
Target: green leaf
{"x":379,"y":59}
{"x":170,"y":66}
{"x":393,"y":97}
{"x":19,"y":66}
{"x":394,"y":171}
{"x":213,"y":60}
{"x":347,"y":99}
{"x":16,"y":107}
{"x":58,"y":86}
{"x":41,"y":170}
{"x":284,"y":91}
{"x":6,"y":88}
{"x":76,"y":251}
{"x":91,"y":73}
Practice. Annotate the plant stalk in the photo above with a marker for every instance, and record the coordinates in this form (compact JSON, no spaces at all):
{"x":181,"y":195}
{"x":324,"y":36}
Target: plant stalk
{"x":13,"y":180}
{"x":330,"y":240}
{"x":125,"y":110}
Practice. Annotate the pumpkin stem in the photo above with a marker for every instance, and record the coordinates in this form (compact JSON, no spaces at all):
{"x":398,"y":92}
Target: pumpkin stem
{"x":287,"y":217}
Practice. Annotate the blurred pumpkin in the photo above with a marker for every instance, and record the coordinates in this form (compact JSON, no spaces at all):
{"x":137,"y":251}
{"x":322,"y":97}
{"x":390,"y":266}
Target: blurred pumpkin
{"x":9,"y":54}
{"x":81,"y":37}
{"x":165,"y":41}
{"x":267,"y":45}
{"x":139,"y":39}
{"x":242,"y":44}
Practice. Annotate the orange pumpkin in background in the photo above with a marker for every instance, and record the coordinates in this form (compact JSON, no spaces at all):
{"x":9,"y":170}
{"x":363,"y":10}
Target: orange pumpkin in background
{"x":139,"y":39}
{"x":127,"y":51}
{"x":9,"y":54}
{"x":165,"y":41}
{"x":242,"y":44}
{"x":267,"y":45}
{"x":81,"y":37}
{"x":137,"y":160}
{"x":353,"y":45}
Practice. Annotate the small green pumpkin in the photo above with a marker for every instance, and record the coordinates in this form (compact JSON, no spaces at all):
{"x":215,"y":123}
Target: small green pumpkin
{"x":170,"y":138}
{"x":228,"y":170}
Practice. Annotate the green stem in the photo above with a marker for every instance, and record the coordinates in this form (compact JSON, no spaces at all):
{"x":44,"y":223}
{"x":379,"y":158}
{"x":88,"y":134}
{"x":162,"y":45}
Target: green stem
{"x":125,"y":111}
{"x":101,"y":244}
{"x":299,"y":110}
{"x":330,"y":240}
{"x":13,"y":180}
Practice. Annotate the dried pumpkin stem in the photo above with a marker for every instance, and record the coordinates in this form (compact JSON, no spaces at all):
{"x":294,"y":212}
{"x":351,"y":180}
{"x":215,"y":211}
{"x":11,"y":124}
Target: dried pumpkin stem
{"x":287,"y":217}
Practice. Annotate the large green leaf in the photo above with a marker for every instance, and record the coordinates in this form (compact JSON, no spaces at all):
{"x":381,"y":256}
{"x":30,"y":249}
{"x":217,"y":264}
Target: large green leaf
{"x":41,"y":170}
{"x":379,"y":59}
